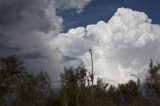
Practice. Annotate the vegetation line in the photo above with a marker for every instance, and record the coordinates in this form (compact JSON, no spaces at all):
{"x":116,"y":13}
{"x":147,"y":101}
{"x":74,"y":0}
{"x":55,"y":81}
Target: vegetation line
{"x":18,"y":87}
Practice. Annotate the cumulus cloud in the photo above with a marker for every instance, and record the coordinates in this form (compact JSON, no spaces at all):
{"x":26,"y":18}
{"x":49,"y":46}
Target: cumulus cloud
{"x":122,"y":47}
{"x":26,"y":27}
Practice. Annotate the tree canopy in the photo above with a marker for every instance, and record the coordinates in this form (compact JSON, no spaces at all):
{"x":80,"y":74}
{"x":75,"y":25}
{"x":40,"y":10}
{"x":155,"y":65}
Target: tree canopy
{"x":20,"y":87}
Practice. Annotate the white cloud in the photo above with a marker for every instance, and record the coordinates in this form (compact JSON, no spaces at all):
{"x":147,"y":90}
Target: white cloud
{"x":122,"y":47}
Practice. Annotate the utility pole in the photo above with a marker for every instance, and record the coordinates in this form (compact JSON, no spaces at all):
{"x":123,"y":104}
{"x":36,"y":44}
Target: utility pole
{"x":92,"y":76}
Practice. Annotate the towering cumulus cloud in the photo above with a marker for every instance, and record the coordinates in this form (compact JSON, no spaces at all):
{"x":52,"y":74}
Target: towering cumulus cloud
{"x":26,"y":27}
{"x":121,"y":48}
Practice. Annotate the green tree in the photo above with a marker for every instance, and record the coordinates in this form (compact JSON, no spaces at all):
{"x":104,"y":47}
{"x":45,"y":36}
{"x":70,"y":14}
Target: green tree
{"x":73,"y":84}
{"x":153,"y":82}
{"x":32,"y":90}
{"x":128,"y":92}
{"x":11,"y":70}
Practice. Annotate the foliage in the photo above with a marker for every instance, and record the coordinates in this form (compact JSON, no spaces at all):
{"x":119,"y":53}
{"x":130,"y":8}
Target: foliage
{"x":19,"y":87}
{"x":11,"y":70}
{"x":32,"y":90}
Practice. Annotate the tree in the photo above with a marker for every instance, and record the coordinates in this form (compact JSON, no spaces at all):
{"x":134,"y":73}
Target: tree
{"x":20,"y":88}
{"x":73,"y":84}
{"x":153,"y":81}
{"x":11,"y":70}
{"x":128,"y":92}
{"x":32,"y":90}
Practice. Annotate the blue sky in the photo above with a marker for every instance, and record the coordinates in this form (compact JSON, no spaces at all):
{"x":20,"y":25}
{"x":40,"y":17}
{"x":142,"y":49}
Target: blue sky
{"x":104,"y":9}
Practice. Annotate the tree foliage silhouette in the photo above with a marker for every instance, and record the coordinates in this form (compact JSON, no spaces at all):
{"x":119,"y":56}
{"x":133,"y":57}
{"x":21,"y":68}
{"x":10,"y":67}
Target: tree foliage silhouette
{"x":20,"y":87}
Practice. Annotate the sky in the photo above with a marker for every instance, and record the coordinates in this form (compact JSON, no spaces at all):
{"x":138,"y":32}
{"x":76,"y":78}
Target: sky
{"x":50,"y":34}
{"x":104,"y":10}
